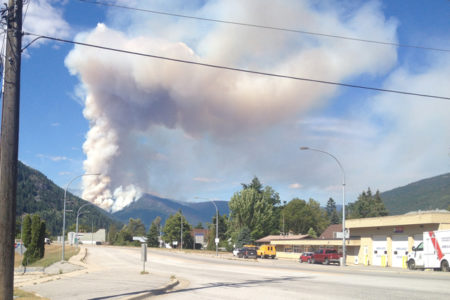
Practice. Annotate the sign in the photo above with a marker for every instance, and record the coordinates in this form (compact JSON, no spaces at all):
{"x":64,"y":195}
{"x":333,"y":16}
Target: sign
{"x":216,"y":240}
{"x":339,"y":235}
{"x":398,"y":229}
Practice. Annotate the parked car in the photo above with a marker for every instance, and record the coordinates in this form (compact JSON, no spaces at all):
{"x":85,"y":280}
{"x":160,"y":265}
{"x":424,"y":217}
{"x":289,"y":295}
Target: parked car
{"x":306,"y":257}
{"x":247,"y":253}
{"x":266,"y":251}
{"x":326,"y":256}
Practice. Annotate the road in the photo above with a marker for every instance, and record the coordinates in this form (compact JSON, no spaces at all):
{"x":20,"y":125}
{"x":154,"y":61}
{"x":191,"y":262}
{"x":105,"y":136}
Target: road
{"x":208,"y":277}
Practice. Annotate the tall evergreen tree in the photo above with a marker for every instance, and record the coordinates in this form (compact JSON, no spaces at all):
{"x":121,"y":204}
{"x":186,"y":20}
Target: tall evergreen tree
{"x":33,"y":251}
{"x":332,"y":213}
{"x":367,"y":206}
{"x":26,"y":230}
{"x":153,"y":233}
{"x":41,"y":239}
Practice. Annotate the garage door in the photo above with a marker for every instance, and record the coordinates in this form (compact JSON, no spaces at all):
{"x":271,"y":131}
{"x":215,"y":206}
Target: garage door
{"x":399,"y":249}
{"x":379,"y":246}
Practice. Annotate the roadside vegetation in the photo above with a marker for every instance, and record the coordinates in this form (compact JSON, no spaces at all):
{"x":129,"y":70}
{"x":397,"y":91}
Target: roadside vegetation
{"x":22,"y":295}
{"x":52,"y":255}
{"x":255,"y":212}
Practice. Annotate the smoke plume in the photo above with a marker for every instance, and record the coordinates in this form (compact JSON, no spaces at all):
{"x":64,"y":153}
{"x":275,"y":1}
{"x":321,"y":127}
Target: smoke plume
{"x":129,"y":97}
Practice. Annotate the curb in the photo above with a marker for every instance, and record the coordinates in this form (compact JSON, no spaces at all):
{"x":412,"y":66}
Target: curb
{"x":154,"y":292}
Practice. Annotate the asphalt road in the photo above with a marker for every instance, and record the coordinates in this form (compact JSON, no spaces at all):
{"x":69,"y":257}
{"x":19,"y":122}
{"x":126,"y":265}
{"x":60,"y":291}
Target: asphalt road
{"x":209,"y":277}
{"x":212,"y":278}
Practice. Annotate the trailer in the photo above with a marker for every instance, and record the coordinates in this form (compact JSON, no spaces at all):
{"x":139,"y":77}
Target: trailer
{"x":432,"y":253}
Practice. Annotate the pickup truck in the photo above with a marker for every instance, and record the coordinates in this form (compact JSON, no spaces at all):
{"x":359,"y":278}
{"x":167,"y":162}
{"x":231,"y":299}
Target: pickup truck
{"x":326,"y":256}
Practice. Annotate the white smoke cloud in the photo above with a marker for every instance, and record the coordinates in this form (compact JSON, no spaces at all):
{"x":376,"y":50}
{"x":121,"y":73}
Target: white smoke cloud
{"x":129,"y":99}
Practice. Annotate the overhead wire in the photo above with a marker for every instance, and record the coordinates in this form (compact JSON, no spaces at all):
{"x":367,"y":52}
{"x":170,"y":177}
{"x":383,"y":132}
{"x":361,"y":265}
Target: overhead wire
{"x":233,"y":68}
{"x":265,"y":26}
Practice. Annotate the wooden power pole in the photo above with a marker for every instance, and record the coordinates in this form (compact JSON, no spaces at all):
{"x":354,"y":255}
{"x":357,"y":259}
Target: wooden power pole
{"x":9,"y":148}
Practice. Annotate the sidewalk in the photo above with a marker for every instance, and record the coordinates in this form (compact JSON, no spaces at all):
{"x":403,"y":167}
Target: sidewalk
{"x":68,"y":280}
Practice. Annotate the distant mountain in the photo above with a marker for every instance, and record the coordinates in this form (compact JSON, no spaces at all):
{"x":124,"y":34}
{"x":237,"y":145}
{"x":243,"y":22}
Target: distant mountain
{"x":148,"y":207}
{"x":427,"y":194}
{"x":36,"y":194}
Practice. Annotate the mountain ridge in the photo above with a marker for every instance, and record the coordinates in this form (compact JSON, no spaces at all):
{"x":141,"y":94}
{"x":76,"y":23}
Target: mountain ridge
{"x":425,"y":194}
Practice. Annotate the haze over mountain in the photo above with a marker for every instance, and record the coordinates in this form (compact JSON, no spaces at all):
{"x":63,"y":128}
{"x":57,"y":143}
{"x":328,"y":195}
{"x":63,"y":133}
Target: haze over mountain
{"x":426,"y":194}
{"x":148,"y":207}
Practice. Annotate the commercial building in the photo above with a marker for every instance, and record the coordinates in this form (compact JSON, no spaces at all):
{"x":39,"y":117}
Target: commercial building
{"x":381,"y":241}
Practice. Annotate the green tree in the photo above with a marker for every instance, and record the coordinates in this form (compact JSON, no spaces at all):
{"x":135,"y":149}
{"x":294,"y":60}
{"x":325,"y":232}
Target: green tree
{"x":172,"y":230}
{"x":312,"y":233}
{"x":35,"y":249}
{"x":222,"y":232}
{"x":300,"y":216}
{"x":367,"y":206}
{"x":41,"y":240}
{"x":332,"y":213}
{"x":199,"y":226}
{"x":153,"y":233}
{"x":244,"y":237}
{"x":256,"y":208}
{"x":135,"y":227}
{"x":112,"y":234}
{"x":26,"y":230}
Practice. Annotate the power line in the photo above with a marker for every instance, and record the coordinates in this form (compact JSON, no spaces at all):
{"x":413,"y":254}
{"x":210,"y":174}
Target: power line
{"x":232,"y":68}
{"x":265,"y":27}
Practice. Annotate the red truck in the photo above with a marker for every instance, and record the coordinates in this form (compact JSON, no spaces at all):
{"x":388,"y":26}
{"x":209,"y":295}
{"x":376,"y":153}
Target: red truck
{"x":326,"y":256}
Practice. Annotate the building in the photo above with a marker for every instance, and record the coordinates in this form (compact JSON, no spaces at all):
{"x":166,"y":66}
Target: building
{"x":381,"y":241}
{"x":386,"y":241}
{"x":200,"y":237}
{"x":98,"y":237}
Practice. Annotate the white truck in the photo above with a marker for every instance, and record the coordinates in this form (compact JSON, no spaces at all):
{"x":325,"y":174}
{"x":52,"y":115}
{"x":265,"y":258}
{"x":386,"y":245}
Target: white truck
{"x":432,"y":253}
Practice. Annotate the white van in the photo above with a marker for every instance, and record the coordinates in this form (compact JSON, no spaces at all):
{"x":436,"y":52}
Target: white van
{"x":432,"y":253}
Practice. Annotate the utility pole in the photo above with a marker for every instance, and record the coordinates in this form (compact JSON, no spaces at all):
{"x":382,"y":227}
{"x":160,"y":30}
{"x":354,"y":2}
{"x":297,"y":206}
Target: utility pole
{"x":9,"y":144}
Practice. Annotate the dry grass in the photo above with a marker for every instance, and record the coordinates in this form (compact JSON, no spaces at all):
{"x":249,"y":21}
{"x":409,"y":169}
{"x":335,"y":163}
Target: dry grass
{"x":19,"y":294}
{"x":52,"y":254}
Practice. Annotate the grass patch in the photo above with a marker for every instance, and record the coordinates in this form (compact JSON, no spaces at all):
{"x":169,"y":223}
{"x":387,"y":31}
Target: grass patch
{"x":52,"y":254}
{"x":20,"y":294}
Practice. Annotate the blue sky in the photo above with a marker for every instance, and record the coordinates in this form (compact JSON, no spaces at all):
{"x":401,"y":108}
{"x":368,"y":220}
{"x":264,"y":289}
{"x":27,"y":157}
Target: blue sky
{"x":180,"y":132}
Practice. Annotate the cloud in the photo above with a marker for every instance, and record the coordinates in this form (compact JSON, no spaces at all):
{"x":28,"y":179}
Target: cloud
{"x":206,"y":180}
{"x":53,"y":158}
{"x":130,"y":101}
{"x":44,"y":17}
{"x":55,"y":124}
{"x":295,"y":186}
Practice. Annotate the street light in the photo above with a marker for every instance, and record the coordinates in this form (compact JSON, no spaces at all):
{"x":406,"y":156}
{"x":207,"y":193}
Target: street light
{"x":217,"y":223}
{"x":78,"y":214}
{"x":343,"y":199}
{"x":64,"y":211}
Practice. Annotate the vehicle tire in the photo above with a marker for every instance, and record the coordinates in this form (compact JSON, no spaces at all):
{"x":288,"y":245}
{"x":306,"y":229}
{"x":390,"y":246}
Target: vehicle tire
{"x":273,"y":256}
{"x":445,"y":266}
{"x":411,"y":264}
{"x":326,"y":262}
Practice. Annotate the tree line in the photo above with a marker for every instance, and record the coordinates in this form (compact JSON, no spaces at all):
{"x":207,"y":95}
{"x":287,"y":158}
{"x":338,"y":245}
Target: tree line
{"x":255,"y":212}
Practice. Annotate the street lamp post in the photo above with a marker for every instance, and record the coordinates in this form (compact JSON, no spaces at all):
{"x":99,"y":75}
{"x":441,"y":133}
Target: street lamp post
{"x":217,"y":223}
{"x":78,"y":214}
{"x":344,"y":259}
{"x":64,"y":211}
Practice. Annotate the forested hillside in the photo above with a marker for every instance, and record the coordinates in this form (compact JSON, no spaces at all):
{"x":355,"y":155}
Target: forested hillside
{"x":426,"y":194}
{"x":36,"y":194}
